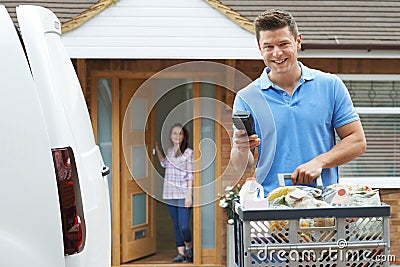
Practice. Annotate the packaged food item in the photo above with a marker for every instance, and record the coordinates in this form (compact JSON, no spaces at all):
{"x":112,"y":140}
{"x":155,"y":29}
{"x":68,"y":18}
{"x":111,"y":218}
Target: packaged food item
{"x":279,"y":192}
{"x":316,"y":222}
{"x":365,"y":198}
{"x":337,"y":195}
{"x":342,"y":194}
{"x":296,"y":197}
{"x":324,"y":222}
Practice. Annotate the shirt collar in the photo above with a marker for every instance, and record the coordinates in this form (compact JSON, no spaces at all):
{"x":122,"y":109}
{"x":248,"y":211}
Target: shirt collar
{"x":265,"y":83}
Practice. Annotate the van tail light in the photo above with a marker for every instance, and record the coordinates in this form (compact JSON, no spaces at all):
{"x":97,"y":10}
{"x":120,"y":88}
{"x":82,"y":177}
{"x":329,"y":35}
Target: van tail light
{"x":69,"y":193}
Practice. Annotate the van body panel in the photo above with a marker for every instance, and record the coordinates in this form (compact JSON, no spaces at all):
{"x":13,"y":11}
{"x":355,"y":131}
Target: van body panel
{"x":68,"y":123}
{"x":30,"y":227}
{"x":55,"y":77}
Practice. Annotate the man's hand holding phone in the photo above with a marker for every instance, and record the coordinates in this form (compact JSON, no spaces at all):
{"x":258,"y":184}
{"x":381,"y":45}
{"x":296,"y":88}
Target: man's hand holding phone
{"x":245,"y":141}
{"x":245,"y":137}
{"x":243,"y":120}
{"x":242,"y":141}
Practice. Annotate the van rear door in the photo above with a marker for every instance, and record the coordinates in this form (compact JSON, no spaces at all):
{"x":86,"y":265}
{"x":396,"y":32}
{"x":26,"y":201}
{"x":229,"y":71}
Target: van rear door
{"x":30,"y":225}
{"x":69,"y":126}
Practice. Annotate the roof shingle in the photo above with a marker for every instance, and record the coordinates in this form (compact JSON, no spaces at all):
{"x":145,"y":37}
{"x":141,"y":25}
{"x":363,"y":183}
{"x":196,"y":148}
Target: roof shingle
{"x":71,"y":13}
{"x":340,"y":24}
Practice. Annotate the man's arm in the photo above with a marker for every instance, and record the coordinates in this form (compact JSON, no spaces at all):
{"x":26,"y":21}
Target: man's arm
{"x":352,"y":145}
{"x":241,"y":156}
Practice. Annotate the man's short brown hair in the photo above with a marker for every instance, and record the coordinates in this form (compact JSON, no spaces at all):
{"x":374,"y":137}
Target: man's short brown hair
{"x":274,"y":19}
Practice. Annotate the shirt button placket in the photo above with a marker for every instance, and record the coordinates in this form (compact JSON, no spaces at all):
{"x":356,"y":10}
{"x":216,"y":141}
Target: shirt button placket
{"x":286,"y":97}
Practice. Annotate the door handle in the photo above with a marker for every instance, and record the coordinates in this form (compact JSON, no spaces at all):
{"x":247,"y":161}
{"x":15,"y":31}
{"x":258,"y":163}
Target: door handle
{"x":105,"y":171}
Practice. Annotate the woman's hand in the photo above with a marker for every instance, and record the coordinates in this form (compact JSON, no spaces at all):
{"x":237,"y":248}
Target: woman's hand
{"x":188,"y":202}
{"x":159,"y":154}
{"x":156,"y":147}
{"x":189,"y":195}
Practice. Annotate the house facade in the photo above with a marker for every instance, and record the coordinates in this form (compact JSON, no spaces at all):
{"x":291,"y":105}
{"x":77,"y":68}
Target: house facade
{"x":144,"y":65}
{"x":358,"y":71}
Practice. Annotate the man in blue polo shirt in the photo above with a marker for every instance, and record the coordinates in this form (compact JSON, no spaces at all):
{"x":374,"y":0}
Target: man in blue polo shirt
{"x":296,"y":111}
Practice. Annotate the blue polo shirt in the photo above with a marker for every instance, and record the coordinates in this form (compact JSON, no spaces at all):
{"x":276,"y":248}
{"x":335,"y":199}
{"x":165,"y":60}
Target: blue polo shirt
{"x":303,"y":124}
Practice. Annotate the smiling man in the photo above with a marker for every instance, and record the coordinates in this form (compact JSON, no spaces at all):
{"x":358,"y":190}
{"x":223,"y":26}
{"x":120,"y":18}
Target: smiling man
{"x":296,"y":112}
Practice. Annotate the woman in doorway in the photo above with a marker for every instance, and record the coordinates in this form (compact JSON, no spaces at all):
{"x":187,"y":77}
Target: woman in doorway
{"x":177,"y":190}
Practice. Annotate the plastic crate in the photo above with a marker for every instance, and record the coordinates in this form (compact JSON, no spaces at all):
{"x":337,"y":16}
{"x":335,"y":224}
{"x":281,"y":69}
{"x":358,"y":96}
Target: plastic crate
{"x":320,"y":237}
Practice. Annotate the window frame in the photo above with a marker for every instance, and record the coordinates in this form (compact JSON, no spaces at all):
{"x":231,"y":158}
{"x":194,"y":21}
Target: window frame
{"x":375,"y":182}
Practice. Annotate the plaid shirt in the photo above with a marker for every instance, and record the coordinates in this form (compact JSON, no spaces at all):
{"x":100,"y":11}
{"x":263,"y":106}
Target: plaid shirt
{"x":178,"y":171}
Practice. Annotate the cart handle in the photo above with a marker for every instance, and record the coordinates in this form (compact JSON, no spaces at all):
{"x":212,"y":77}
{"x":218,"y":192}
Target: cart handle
{"x":283,"y":176}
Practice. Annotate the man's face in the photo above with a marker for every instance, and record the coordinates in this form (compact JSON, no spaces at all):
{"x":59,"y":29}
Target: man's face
{"x":279,"y":50}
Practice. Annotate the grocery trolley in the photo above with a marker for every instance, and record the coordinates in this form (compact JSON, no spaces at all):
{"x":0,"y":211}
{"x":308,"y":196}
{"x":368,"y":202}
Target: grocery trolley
{"x":318,"y":237}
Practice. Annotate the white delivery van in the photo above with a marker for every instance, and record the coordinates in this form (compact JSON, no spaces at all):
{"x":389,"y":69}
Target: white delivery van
{"x":54,"y":199}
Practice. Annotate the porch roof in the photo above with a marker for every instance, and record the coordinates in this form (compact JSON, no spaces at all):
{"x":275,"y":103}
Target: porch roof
{"x":325,"y":24}
{"x":129,"y":28}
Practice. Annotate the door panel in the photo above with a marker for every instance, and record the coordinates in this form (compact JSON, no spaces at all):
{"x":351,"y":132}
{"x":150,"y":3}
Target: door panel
{"x":137,"y":206}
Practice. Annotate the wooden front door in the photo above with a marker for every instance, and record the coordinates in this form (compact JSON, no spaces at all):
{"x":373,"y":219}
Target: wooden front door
{"x":138,"y":231}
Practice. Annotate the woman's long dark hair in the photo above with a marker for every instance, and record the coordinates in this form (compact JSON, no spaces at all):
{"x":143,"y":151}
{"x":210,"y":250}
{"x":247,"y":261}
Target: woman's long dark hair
{"x":185,"y":142}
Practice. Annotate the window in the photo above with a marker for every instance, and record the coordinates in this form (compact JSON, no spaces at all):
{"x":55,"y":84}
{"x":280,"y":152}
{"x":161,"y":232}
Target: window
{"x":377,"y":101}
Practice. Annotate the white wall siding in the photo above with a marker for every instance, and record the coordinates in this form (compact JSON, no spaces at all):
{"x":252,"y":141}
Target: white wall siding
{"x":185,"y":29}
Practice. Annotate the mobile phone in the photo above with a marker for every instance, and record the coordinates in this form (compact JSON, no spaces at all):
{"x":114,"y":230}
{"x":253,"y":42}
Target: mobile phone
{"x":242,"y":119}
